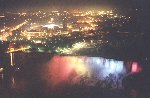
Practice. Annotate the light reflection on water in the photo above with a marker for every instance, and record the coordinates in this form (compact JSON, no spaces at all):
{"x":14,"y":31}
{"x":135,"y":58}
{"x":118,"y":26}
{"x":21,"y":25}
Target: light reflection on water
{"x":79,"y":70}
{"x":76,"y":69}
{"x":35,"y":77}
{"x":13,"y":82}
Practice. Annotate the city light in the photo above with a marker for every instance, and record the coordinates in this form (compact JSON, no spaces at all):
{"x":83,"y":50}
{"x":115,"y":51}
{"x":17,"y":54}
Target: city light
{"x":51,"y":26}
{"x":74,"y":48}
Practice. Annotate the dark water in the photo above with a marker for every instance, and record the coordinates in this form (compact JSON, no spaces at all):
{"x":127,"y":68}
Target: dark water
{"x":42,"y":75}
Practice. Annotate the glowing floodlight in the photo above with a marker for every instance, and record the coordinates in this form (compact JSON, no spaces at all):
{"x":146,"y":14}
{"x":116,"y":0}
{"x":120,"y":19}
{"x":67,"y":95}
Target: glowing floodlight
{"x":51,"y":26}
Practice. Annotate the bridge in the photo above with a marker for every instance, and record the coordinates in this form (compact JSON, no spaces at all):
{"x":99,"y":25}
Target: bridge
{"x":11,"y":52}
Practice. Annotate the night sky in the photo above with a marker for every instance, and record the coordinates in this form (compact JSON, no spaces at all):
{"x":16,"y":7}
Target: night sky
{"x":27,"y":4}
{"x":9,"y":4}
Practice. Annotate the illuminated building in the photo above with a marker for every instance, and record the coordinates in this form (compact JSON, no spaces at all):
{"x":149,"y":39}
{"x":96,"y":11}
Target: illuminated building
{"x":30,"y":34}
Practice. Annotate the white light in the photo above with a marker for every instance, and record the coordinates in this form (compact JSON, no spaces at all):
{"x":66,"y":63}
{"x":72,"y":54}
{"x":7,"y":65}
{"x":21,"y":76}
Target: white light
{"x":51,"y":26}
{"x":105,"y":66}
{"x":1,"y":69}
